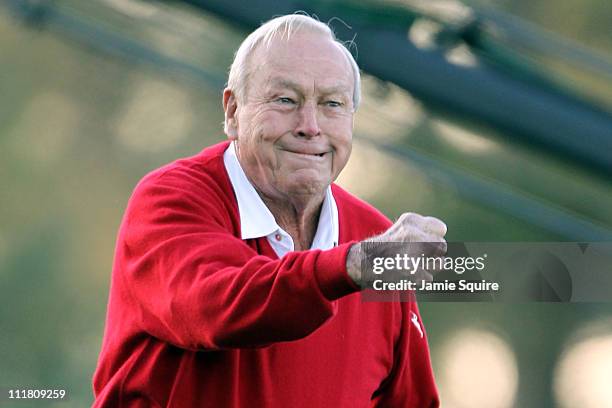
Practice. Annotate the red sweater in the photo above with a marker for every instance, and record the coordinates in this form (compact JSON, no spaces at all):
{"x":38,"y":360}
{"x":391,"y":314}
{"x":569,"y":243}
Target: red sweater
{"x":198,"y":317}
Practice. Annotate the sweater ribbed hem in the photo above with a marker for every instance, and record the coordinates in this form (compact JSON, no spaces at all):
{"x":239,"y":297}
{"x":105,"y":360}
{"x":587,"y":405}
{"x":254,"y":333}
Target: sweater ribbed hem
{"x":331,"y":274}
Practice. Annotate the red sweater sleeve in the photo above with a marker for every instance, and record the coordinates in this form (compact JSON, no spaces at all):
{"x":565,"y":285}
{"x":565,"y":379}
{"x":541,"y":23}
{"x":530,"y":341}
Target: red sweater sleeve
{"x":194,"y":284}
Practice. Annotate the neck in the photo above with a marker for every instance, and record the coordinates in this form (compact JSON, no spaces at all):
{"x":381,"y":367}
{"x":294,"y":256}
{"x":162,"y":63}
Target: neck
{"x":299,"y":218}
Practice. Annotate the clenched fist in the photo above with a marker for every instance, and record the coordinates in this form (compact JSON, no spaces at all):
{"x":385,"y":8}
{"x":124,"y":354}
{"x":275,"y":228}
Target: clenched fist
{"x":427,"y":232}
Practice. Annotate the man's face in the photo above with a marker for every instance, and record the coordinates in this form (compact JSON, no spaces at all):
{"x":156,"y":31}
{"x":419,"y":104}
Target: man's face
{"x":294,"y":125}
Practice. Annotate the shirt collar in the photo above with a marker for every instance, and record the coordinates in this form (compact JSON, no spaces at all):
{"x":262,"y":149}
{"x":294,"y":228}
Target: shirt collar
{"x":256,"y":220}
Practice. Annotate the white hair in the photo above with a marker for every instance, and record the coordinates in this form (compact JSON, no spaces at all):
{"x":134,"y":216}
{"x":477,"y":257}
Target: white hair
{"x":283,"y":27}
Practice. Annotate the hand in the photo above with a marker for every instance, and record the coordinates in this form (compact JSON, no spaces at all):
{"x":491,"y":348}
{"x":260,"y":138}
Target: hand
{"x":427,"y":232}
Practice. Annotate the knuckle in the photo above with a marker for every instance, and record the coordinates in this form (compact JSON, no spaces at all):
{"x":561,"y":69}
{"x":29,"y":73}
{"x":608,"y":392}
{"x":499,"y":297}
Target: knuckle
{"x":403,"y":216}
{"x":417,"y":218}
{"x":436,"y":225}
{"x":416,"y":235}
{"x":411,"y":217}
{"x":444,"y":247}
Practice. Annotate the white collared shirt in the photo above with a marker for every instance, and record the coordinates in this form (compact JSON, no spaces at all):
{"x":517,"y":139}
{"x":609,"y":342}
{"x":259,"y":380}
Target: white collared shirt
{"x":256,"y":220}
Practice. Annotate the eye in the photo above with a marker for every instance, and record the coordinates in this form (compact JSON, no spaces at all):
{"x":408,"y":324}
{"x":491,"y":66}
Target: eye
{"x":285,"y":100}
{"x":333,"y":104}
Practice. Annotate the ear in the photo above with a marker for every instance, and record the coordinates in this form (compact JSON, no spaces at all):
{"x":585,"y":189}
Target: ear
{"x":230,"y":106}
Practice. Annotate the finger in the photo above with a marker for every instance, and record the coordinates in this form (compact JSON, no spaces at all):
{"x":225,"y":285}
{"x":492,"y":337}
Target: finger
{"x":441,"y":248}
{"x":410,"y":219}
{"x":434,"y":226}
{"x":435,"y":264}
{"x":434,"y":246}
{"x":423,"y":275}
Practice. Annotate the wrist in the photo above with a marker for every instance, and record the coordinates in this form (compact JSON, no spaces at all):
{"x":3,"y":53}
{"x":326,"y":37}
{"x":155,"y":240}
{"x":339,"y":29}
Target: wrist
{"x":353,"y":264}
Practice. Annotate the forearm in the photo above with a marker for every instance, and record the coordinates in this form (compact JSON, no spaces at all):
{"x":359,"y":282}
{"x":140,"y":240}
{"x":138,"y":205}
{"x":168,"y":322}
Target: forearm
{"x":220,"y":299}
{"x":193,"y":283}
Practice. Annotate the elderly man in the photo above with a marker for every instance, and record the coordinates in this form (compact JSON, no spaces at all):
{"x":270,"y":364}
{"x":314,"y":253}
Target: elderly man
{"x":236,"y":273}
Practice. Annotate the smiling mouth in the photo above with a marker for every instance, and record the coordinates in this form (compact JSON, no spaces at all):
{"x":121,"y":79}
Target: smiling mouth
{"x":308,"y":154}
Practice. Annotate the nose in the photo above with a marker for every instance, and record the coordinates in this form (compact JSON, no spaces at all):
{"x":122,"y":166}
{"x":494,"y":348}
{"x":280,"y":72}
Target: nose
{"x":307,"y":125}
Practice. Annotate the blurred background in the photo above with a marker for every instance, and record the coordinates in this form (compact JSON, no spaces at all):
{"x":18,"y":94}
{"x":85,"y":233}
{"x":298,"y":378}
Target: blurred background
{"x":493,"y":115}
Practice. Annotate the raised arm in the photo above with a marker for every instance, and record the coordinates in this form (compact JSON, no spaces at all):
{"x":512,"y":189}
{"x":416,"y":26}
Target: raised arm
{"x":197,"y":286}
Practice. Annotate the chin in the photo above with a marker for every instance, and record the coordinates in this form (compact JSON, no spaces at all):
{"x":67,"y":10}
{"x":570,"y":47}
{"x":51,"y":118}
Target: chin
{"x":308,"y":188}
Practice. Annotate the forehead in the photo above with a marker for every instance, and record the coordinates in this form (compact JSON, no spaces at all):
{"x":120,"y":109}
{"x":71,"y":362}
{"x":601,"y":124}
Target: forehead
{"x":305,"y":58}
